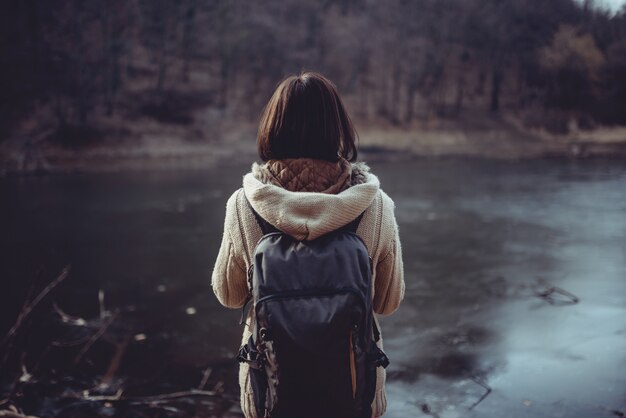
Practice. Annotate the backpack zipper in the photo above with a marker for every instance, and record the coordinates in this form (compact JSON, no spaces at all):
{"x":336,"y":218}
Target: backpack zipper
{"x":352,"y":365}
{"x":311,"y":292}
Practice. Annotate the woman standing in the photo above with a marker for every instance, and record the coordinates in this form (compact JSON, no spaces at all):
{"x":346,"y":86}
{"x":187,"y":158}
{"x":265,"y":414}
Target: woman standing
{"x":308,"y":185}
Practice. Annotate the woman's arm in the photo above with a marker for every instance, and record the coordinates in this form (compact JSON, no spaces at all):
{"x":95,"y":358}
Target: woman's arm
{"x":229,"y":274}
{"x":389,"y":284}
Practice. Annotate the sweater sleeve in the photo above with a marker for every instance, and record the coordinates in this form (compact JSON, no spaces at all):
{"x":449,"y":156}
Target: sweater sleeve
{"x":229,"y":273}
{"x":389,"y":285}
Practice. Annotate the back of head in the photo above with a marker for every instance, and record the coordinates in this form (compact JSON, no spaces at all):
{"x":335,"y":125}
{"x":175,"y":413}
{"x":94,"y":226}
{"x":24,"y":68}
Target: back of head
{"x":305,"y":118}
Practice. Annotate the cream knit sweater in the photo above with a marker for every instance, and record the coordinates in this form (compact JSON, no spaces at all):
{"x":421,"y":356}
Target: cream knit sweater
{"x":307,"y":215}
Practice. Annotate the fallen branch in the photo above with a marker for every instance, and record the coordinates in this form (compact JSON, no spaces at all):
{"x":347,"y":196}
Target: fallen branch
{"x":13,"y":412}
{"x":487,"y":391}
{"x":21,"y":377}
{"x":549,"y":296}
{"x":28,"y":308}
{"x":9,"y":414}
{"x":205,"y":378}
{"x":85,"y":396}
{"x":174,"y":395}
{"x":95,"y":338}
{"x":117,"y":397}
{"x":70,"y":343}
{"x":115,"y":362}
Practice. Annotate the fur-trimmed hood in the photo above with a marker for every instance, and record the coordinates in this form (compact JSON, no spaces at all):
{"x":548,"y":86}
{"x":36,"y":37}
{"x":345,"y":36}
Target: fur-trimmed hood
{"x":302,"y":197}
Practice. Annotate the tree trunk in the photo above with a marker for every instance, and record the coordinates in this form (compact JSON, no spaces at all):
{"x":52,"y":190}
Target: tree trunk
{"x":460,"y":94}
{"x":480,"y":85}
{"x":161,"y":72}
{"x":496,"y":81}
{"x":382,"y":108}
{"x":188,"y":34}
{"x":395,"y":96}
{"x":224,"y":75}
{"x":410,"y":100}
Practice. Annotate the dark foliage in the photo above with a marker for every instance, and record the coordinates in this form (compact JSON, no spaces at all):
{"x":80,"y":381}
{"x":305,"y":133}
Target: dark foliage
{"x":400,"y":60}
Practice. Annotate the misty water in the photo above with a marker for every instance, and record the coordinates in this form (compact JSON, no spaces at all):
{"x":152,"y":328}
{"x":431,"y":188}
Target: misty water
{"x":515,"y":274}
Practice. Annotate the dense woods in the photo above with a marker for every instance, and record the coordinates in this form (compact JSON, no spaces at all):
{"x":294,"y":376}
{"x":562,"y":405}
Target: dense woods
{"x":71,"y":64}
{"x":114,"y":85}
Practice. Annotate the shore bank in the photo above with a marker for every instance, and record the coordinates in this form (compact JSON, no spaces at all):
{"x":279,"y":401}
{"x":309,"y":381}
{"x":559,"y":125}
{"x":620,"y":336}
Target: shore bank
{"x":502,"y":140}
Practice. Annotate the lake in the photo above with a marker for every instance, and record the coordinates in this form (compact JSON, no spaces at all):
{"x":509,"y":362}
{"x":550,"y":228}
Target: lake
{"x":515,"y":274}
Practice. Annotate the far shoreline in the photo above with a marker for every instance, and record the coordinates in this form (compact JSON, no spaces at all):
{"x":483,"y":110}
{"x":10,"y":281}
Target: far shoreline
{"x":375,"y":144}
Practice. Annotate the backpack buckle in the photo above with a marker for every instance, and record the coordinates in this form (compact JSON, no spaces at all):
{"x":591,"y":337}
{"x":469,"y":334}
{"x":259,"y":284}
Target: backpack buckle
{"x":252,"y":358}
{"x":381,"y":359}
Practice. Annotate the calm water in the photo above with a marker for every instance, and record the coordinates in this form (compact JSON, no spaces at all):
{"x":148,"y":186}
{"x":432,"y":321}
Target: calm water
{"x":481,"y":240}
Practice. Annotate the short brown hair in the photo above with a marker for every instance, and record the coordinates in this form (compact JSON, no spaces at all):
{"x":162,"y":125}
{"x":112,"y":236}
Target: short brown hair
{"x":306,"y":118}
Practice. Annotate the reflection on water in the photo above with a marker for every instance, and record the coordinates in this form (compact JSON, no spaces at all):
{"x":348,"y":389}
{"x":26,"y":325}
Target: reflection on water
{"x":482,"y":240}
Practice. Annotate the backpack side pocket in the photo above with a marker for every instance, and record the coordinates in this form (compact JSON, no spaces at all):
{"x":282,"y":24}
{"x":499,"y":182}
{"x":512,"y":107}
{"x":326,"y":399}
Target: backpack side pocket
{"x":375,"y":358}
{"x":258,"y":376}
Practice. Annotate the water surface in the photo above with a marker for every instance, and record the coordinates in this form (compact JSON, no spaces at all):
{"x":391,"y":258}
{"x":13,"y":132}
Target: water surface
{"x":482,"y":241}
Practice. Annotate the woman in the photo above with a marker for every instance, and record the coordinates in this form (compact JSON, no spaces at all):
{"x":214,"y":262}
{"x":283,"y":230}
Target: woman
{"x":308,"y":185}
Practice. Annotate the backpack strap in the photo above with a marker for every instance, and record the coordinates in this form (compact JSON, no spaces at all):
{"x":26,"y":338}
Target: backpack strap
{"x":375,"y":330}
{"x":266,"y":228}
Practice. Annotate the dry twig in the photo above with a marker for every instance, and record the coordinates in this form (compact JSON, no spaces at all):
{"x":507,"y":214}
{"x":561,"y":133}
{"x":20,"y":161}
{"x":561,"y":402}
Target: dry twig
{"x":14,"y":413}
{"x":95,"y":338}
{"x":205,"y":378}
{"x":70,"y":343}
{"x":28,"y":307}
{"x":69,"y":319}
{"x":487,"y":391}
{"x":103,"y":311}
{"x":550,"y":296}
{"x":115,"y":362}
{"x":142,"y":399}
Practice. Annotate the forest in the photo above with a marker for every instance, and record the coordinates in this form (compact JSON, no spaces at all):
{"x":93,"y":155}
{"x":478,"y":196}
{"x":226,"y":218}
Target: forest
{"x":514,"y":270}
{"x":76,"y":71}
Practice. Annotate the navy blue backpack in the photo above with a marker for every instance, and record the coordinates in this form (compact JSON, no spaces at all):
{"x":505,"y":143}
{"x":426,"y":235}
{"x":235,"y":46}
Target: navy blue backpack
{"x":313,"y":349}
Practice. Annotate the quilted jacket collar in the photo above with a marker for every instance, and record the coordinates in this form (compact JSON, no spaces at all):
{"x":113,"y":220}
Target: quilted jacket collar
{"x":308,"y":175}
{"x":307,"y":215}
